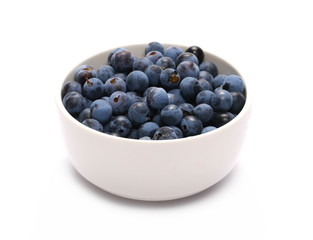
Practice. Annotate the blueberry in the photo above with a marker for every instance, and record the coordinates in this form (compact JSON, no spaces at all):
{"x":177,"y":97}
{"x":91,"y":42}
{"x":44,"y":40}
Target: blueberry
{"x":83,"y":73}
{"x":178,"y":132}
{"x":153,"y":73}
{"x":101,"y":110}
{"x":137,"y":81}
{"x":157,"y":98}
{"x":218,"y":81}
{"x":133,"y":133}
{"x":221,"y":118}
{"x":173,"y":52}
{"x":204,"y":96}
{"x":164,"y":133}
{"x":93,"y":88}
{"x":141,"y":63}
{"x":188,"y":69}
{"x":208,"y":129}
{"x":87,"y":102}
{"x":139,"y":113}
{"x":222,"y":100}
{"x":154,"y":56}
{"x":83,"y":115}
{"x":147,"y":129}
{"x":169,"y":78}
{"x":207,"y":76}
{"x":233,"y":83}
{"x":145,"y":138}
{"x":154,"y":46}
{"x":71,"y":87}
{"x":196,"y":51}
{"x":94,"y":124}
{"x":187,"y":56}
{"x":120,"y":75}
{"x":209,"y":67}
{"x":189,"y":88}
{"x":204,"y":112}
{"x":157,"y":119}
{"x":105,"y":72}
{"x":122,"y":61}
{"x":187,"y":109}
{"x":190,"y":126}
{"x":74,"y":103}
{"x":114,"y":51}
{"x":238,"y":102}
{"x":120,"y":125}
{"x":134,"y":97}
{"x":114,"y":84}
{"x":120,"y":102}
{"x":178,"y":99}
{"x":205,"y":85}
{"x":165,"y":62}
{"x":171,"y":115}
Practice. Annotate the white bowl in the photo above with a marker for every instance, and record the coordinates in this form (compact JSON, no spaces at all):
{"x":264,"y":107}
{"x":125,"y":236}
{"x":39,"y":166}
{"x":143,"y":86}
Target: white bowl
{"x":153,"y":170}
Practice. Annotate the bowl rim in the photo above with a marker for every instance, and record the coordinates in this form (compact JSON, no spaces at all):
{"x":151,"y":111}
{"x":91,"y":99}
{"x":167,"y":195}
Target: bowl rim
{"x":246,"y":108}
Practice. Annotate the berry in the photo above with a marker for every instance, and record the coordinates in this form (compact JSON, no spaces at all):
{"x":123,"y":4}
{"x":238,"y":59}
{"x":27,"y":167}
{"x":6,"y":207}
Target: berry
{"x":120,"y":125}
{"x":233,"y":83}
{"x":207,"y":76}
{"x":157,"y":98}
{"x":238,"y":102}
{"x":187,"y":56}
{"x":191,"y":126}
{"x":189,"y":88}
{"x":165,"y":133}
{"x":153,"y":73}
{"x":154,"y":56}
{"x":83,"y":73}
{"x":208,"y":129}
{"x":204,"y":112}
{"x":137,"y":81}
{"x":101,"y":110}
{"x":83,"y":115}
{"x":187,"y":109}
{"x":147,"y":129}
{"x":169,"y":78}
{"x":196,"y":51}
{"x":74,"y":103}
{"x":188,"y":69}
{"x":221,"y":118}
{"x":120,"y":102}
{"x":173,"y":52}
{"x":165,"y":62}
{"x":154,"y":46}
{"x":171,"y":115}
{"x":141,"y":63}
{"x":209,"y":67}
{"x":222,"y":101}
{"x":94,"y":124}
{"x":122,"y":61}
{"x":93,"y":88}
{"x":71,"y":87}
{"x":105,"y":72}
{"x":114,"y":84}
{"x":218,"y":81}
{"x":139,"y":113}
{"x":204,"y":96}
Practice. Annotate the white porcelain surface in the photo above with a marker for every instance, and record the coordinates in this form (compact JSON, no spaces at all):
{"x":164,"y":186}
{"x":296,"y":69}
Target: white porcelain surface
{"x":154,"y":170}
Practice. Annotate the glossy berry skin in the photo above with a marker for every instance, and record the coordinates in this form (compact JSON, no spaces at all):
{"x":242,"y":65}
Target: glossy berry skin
{"x":114,"y":84}
{"x":238,"y":102}
{"x":101,"y":110}
{"x":121,"y":125}
{"x":207,"y":76}
{"x":137,"y":81}
{"x":120,"y":102}
{"x":187,"y":56}
{"x":204,"y":113}
{"x":147,"y":129}
{"x":122,"y":61}
{"x":208,"y":129}
{"x":221,"y":118}
{"x":173,"y":52}
{"x":83,"y":73}
{"x":164,"y":133}
{"x":171,"y":115}
{"x":93,"y":88}
{"x":196,"y":51}
{"x":71,"y":87}
{"x":204,"y":96}
{"x":233,"y":83}
{"x":165,"y":62}
{"x":105,"y":72}
{"x":191,"y":126}
{"x":153,"y":73}
{"x":189,"y":88}
{"x":169,"y":78}
{"x":209,"y":67}
{"x":218,"y":81}
{"x":84,"y":114}
{"x":141,"y":63}
{"x":157,"y":98}
{"x":74,"y":103}
{"x":187,"y":109}
{"x":205,"y":85}
{"x":188,"y":69}
{"x":114,"y":51}
{"x":154,"y":56}
{"x":139,"y":113}
{"x":222,"y":100}
{"x":154,"y":46}
{"x":94,"y":124}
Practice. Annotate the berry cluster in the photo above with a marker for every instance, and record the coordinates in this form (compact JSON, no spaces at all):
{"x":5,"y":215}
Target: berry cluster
{"x":167,"y":94}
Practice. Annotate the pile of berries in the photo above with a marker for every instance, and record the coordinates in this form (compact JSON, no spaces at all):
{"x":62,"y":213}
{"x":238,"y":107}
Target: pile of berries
{"x":167,"y":94}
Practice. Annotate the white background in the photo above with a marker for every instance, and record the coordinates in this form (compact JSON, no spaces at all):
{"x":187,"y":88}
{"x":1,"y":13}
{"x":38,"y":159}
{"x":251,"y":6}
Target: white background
{"x":269,"y":193}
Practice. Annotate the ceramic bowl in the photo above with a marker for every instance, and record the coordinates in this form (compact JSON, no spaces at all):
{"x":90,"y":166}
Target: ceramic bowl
{"x":153,"y":170}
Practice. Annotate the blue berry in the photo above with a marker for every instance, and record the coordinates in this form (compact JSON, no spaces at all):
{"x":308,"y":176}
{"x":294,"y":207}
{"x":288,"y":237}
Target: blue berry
{"x":173,"y":52}
{"x":83,"y":73}
{"x":134,"y":97}
{"x":74,"y":103}
{"x":207,"y":76}
{"x":137,"y":81}
{"x":178,"y":99}
{"x":238,"y":102}
{"x":114,"y":84}
{"x":147,"y":129}
{"x":204,"y":96}
{"x":120,"y":102}
{"x":205,"y":85}
{"x":84,"y":114}
{"x":169,"y":78}
{"x":94,"y":124}
{"x":154,"y":46}
{"x":196,"y":51}
{"x":233,"y":83}
{"x":121,"y":125}
{"x":222,"y":101}
{"x":188,"y":69}
{"x":221,"y":118}
{"x":157,"y":98}
{"x":187,"y":56}
{"x":165,"y":62}
{"x":120,"y":75}
{"x":141,"y":63}
{"x":93,"y":88}
{"x":178,"y":132}
{"x":71,"y":87}
{"x":209,"y":67}
{"x":153,"y":73}
{"x":191,"y":126}
{"x":122,"y":61}
{"x":164,"y":133}
{"x":204,"y":113}
{"x":218,"y":81}
{"x":187,"y":109}
{"x":105,"y":72}
{"x":114,"y":51}
{"x":189,"y":88}
{"x":171,"y":115}
{"x":139,"y":113}
{"x":208,"y":129}
{"x":101,"y":110}
{"x":154,"y":56}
